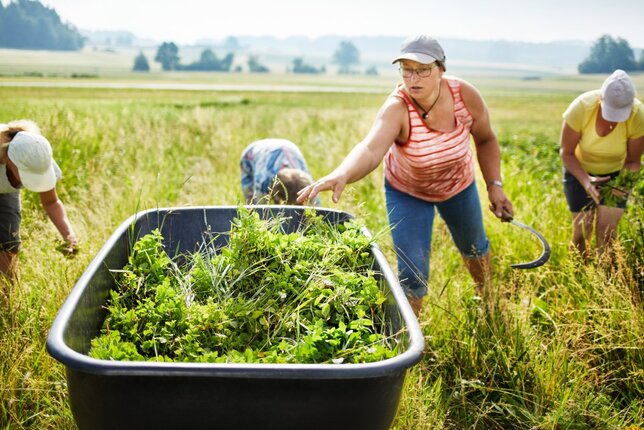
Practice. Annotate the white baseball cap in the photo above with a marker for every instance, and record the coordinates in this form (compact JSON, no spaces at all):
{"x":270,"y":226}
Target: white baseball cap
{"x":422,"y":49}
{"x":32,"y":155}
{"x":618,"y":93}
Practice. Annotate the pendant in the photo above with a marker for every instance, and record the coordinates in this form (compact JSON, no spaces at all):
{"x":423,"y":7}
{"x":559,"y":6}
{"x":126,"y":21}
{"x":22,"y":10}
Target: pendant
{"x":425,"y":115}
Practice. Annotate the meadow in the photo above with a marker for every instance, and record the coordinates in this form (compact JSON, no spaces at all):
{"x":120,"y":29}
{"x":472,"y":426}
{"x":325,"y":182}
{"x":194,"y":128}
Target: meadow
{"x":561,"y":347}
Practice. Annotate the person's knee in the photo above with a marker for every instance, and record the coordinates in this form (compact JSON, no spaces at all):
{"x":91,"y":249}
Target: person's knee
{"x":606,"y":231}
{"x":475,"y":250}
{"x":607,"y":221}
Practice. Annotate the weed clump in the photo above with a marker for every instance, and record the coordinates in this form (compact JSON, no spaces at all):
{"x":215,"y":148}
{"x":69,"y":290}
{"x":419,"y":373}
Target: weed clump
{"x":267,"y":297}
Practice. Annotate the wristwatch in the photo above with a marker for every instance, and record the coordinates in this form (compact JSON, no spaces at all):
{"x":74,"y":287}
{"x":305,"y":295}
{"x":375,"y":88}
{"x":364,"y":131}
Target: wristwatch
{"x":495,"y":182}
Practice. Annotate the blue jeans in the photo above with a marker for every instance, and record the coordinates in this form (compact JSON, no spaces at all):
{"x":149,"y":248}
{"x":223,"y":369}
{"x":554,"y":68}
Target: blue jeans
{"x":411,"y":220}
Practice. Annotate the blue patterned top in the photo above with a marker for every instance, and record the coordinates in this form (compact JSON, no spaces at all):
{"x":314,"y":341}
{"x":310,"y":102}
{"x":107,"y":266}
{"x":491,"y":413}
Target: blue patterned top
{"x":262,"y":160}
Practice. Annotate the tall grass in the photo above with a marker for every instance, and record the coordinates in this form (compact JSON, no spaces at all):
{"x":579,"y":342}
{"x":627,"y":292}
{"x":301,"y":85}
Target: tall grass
{"x":562,"y":346}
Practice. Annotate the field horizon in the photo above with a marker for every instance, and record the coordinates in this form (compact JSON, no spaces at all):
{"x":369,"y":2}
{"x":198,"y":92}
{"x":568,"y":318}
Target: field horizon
{"x":105,"y":60}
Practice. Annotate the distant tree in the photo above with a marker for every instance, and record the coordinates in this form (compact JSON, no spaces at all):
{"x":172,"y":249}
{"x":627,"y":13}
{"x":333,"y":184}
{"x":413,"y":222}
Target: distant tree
{"x":227,"y":61}
{"x":141,"y":63}
{"x":372,"y":71}
{"x":346,"y":55}
{"x":168,"y":55}
{"x":208,"y":62}
{"x":27,"y":24}
{"x":254,"y":65}
{"x":641,"y":62}
{"x":608,"y":54}
{"x":299,"y":66}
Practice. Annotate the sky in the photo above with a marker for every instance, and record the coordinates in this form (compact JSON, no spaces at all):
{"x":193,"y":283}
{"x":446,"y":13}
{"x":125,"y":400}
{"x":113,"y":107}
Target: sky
{"x":186,"y":21}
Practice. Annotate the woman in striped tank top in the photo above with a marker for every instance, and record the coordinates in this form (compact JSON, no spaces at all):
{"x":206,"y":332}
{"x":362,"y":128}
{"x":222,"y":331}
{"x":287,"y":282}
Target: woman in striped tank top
{"x":422,"y":132}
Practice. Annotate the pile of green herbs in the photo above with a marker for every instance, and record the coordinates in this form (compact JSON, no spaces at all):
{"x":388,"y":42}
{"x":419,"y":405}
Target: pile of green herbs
{"x":267,"y":297}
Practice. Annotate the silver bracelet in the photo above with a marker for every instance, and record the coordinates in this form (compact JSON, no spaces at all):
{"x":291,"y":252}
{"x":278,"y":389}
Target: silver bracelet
{"x":494,"y":182}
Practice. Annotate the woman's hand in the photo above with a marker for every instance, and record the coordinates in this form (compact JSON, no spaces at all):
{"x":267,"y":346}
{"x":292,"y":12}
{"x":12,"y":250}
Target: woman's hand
{"x":69,"y":247}
{"x":499,"y":203}
{"x":333,"y":181}
{"x":591,"y":185}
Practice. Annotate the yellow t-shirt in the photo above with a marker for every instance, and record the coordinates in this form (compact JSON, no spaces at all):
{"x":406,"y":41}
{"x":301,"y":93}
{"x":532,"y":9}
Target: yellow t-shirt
{"x":599,"y":155}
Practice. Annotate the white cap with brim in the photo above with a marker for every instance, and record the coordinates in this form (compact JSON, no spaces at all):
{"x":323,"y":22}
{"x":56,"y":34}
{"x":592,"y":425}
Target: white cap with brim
{"x":32,"y":155}
{"x":618,"y":94}
{"x":422,"y":49}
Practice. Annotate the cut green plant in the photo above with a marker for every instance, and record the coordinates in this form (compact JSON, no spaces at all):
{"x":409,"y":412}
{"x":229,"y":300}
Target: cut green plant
{"x":615,"y":190}
{"x":268,"y":297}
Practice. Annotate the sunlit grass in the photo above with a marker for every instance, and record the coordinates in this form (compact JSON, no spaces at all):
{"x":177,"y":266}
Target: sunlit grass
{"x":561,"y":347}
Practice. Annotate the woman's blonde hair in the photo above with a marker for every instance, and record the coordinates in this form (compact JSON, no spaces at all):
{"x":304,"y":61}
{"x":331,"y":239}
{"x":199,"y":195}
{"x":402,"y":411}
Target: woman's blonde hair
{"x":8,"y":132}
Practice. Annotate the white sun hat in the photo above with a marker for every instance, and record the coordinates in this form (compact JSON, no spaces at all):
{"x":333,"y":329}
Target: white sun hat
{"x":32,"y":155}
{"x":618,"y":93}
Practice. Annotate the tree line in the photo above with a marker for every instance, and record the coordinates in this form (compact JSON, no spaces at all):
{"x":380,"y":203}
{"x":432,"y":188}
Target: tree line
{"x":608,"y":54}
{"x":167,"y":55}
{"x":27,"y":24}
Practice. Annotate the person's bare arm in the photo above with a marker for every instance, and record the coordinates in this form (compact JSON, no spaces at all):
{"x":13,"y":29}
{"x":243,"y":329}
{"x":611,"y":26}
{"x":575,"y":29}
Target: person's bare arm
{"x":56,"y":212}
{"x":488,"y":151}
{"x":634,"y":150}
{"x":365,"y":156}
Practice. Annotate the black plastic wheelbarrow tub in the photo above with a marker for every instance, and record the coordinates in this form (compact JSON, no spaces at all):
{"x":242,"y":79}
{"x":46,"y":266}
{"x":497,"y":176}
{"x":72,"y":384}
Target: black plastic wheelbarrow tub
{"x":155,"y":395}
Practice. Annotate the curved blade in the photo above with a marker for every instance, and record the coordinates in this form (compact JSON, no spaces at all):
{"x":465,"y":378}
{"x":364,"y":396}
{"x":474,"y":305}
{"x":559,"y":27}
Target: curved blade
{"x":545,"y":253}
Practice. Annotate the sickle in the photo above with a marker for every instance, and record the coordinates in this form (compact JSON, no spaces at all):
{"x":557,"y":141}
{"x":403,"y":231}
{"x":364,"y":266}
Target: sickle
{"x":545,"y":252}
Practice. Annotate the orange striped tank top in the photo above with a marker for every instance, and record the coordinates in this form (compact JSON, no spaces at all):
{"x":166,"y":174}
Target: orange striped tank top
{"x":432,"y":165}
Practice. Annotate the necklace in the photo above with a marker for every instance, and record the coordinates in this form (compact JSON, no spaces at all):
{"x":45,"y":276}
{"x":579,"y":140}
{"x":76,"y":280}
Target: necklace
{"x":426,"y":112}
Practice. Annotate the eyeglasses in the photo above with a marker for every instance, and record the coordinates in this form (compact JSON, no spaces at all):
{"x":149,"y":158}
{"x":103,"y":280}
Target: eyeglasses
{"x":423,"y":72}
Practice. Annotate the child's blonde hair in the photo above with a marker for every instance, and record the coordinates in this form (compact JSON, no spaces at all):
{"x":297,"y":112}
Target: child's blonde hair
{"x":8,"y":132}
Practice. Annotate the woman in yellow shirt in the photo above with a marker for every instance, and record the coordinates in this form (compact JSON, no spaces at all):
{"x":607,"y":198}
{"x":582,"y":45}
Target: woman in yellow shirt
{"x":602,"y":134}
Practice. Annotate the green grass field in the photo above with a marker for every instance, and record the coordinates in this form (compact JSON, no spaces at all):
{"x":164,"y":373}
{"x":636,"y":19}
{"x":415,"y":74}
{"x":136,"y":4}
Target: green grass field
{"x":563,"y":347}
